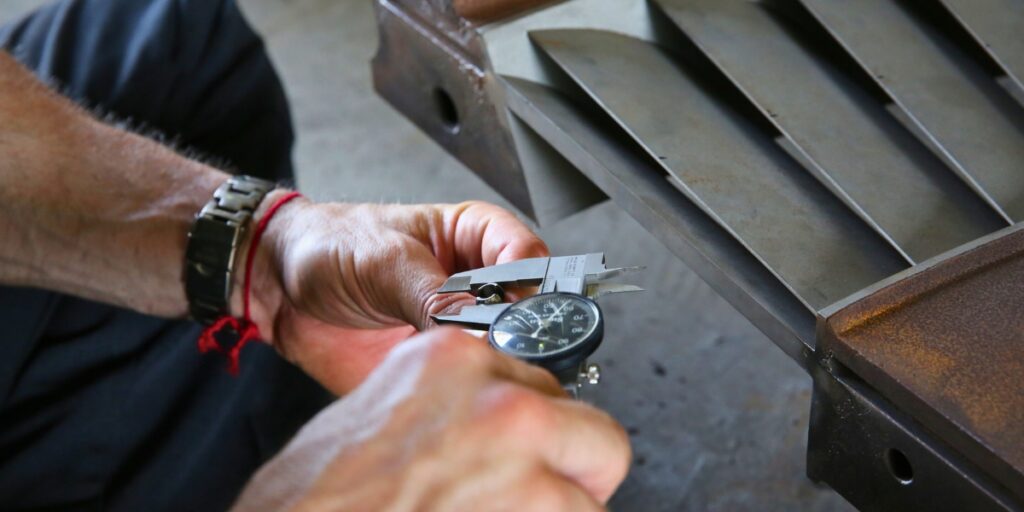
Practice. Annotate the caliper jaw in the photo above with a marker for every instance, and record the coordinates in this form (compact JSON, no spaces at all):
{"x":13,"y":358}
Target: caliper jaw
{"x":474,"y":317}
{"x":581,"y":274}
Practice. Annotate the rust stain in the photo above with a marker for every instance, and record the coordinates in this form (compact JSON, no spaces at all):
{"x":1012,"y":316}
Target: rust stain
{"x":947,"y":346}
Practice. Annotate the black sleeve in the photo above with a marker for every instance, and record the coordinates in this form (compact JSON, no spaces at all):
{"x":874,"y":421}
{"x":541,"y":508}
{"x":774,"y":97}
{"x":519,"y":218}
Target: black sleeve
{"x":103,"y":408}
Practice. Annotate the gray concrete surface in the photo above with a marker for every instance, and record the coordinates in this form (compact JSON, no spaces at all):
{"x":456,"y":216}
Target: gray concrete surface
{"x":717,"y":414}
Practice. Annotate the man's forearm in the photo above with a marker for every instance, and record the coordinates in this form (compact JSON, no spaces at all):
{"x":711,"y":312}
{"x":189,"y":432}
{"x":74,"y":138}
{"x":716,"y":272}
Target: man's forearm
{"x":89,"y":209}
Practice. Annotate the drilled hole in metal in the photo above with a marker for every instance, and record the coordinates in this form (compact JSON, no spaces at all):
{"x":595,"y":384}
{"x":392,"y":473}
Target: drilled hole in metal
{"x":899,"y":466}
{"x":446,"y":110}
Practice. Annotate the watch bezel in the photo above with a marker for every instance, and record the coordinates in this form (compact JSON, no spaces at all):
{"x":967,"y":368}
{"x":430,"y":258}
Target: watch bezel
{"x":569,"y":356}
{"x":213,"y":242}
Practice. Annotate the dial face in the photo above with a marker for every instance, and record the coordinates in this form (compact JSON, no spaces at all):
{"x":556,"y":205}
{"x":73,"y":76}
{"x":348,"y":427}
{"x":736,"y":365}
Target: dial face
{"x":545,"y":325}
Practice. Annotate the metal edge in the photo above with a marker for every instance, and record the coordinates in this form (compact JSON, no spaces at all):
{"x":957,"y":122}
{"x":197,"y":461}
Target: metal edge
{"x":684,"y":229}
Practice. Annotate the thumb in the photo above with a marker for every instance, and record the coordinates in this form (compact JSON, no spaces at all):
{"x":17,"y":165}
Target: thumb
{"x":417,"y":299}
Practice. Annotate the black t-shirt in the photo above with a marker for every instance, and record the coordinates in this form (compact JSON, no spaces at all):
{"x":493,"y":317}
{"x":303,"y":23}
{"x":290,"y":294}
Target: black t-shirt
{"x":105,"y":408}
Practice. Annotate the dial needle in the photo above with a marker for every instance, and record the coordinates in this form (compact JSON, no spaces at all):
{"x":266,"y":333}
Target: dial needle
{"x":560,"y":308}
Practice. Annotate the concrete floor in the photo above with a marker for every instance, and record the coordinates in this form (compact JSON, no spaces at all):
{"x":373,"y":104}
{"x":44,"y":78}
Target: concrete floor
{"x":718,"y":415}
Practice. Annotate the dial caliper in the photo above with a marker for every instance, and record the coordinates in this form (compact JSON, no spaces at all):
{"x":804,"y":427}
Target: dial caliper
{"x":558,"y":328}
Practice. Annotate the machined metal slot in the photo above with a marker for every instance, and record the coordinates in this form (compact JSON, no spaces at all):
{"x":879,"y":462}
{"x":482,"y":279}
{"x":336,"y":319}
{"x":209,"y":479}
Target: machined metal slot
{"x":792,"y":224}
{"x":973,"y":121}
{"x":838,"y":131}
{"x":997,"y":25}
{"x":613,"y":162}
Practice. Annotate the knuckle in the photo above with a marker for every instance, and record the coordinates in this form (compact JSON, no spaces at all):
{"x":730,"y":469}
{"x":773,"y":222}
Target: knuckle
{"x":452,"y":346}
{"x":393,"y":248}
{"x":543,"y":377}
{"x":375,"y":254}
{"x":620,"y":451}
{"x":547,"y":493}
{"x":437,"y":303}
{"x":534,"y":245}
{"x":620,"y":469}
{"x":484,"y":209}
{"x":519,"y":413}
{"x":476,"y":203}
{"x":426,"y":300}
{"x":625,"y":453}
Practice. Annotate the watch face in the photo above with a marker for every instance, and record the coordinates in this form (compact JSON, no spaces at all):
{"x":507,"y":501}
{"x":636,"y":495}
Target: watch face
{"x":550,"y":324}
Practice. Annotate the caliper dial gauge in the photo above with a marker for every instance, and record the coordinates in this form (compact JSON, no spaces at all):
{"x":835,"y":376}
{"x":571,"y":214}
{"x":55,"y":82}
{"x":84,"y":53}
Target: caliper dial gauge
{"x":555,"y":330}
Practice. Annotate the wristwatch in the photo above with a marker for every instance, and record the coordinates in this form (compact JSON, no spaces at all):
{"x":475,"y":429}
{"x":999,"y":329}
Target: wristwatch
{"x":213,"y":241}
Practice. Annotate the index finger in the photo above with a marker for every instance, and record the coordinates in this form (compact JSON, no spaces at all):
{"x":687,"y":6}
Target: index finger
{"x":589,"y":447}
{"x":571,"y":438}
{"x":483,"y":234}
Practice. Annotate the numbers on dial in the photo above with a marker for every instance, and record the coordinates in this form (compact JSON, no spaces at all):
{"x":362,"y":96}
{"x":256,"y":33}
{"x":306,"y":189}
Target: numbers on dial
{"x":544,"y":325}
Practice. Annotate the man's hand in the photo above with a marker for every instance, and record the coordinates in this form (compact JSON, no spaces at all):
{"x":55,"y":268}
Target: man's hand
{"x":446,"y":423}
{"x":91,"y":210}
{"x":336,"y":283}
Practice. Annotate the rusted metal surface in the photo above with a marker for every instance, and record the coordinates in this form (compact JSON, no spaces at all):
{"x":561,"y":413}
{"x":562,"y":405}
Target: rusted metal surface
{"x":946,"y":345}
{"x":880,"y":459}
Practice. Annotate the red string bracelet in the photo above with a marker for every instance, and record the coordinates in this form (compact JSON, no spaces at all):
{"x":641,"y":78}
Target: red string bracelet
{"x":244,"y":327}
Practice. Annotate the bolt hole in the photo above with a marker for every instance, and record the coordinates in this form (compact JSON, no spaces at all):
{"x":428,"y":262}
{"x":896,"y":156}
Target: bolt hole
{"x":446,"y":109}
{"x":899,"y":466}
